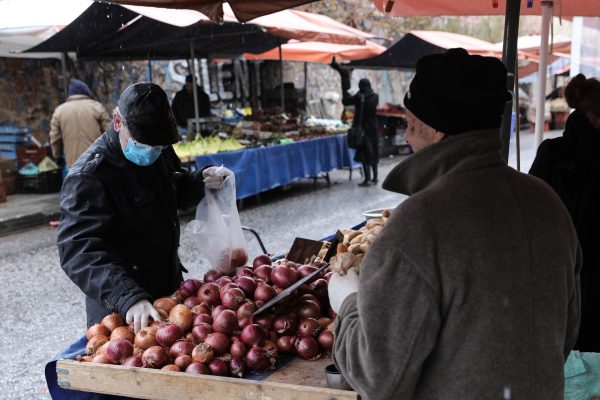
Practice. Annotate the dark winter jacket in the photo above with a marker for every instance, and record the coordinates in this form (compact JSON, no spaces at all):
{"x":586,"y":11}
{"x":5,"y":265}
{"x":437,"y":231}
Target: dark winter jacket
{"x":471,"y":290}
{"x":183,"y":106}
{"x":368,"y":104}
{"x":571,"y":165}
{"x":119,"y":230}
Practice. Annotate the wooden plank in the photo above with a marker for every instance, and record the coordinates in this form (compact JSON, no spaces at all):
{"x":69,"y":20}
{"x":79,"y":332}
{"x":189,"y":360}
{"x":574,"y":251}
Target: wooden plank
{"x":302,"y":372}
{"x":162,"y":385}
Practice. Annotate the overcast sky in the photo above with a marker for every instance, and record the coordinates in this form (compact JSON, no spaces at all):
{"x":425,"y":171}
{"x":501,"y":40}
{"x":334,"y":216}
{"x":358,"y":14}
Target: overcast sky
{"x":21,"y":13}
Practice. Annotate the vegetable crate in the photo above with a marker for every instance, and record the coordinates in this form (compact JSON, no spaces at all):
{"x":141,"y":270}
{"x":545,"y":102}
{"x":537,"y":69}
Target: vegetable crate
{"x":299,"y":379}
{"x":32,"y":154}
{"x":44,"y":182}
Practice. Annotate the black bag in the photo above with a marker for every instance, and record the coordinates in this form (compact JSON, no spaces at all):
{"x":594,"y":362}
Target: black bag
{"x":356,"y":134}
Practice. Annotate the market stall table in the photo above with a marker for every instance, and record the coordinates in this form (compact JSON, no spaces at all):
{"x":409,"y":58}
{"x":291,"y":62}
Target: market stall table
{"x":261,"y":169}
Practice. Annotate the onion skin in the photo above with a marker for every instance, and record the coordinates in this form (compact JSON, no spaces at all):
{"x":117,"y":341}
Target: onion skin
{"x":102,"y":359}
{"x":202,"y":308}
{"x":118,"y":350}
{"x":326,"y":340}
{"x":94,"y":344}
{"x":305,"y":270}
{"x":181,"y":347}
{"x":324,"y":322}
{"x":219,"y":342}
{"x":155,"y":357}
{"x":285,"y":325}
{"x":188,"y":288}
{"x":271,"y":348}
{"x":309,"y":327}
{"x":309,"y":309}
{"x":238,"y":349}
{"x":201,"y":332}
{"x":203,"y":353}
{"x":263,"y":259}
{"x":197,"y":368}
{"x":264,"y":292}
{"x":226,"y":322}
{"x":245,"y":310}
{"x":122,"y":332}
{"x":209,"y":294}
{"x":102,"y":349}
{"x":307,"y":348}
{"x":222,"y":281}
{"x":253,"y":335}
{"x":191,"y":302}
{"x":183,"y":361}
{"x":112,"y":321}
{"x":165,"y":304}
{"x":285,"y":344}
{"x":133,"y":362}
{"x":171,"y":367}
{"x":145,"y":338}
{"x":319,"y":289}
{"x":181,"y":316}
{"x":237,"y":366}
{"x":265,"y":320}
{"x":218,"y":368}
{"x":283,"y":276}
{"x":233,"y":298}
{"x":168,"y":334}
{"x":264,"y":272}
{"x":257,"y":359}
{"x":97,"y":329}
{"x":212,"y":275}
{"x":247,"y":284}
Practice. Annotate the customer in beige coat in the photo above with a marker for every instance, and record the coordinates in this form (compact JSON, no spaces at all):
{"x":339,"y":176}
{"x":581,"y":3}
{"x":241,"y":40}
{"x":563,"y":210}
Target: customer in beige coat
{"x":472,"y":289}
{"x":76,"y":124}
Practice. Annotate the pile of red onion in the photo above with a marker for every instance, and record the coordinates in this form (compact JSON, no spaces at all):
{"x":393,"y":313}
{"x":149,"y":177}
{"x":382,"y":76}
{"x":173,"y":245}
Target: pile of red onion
{"x":208,"y":326}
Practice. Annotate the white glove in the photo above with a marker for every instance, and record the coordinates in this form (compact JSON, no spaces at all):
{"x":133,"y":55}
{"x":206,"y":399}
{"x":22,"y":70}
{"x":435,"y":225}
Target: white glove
{"x":139,"y":314}
{"x":214,"y":176}
{"x":341,"y":287}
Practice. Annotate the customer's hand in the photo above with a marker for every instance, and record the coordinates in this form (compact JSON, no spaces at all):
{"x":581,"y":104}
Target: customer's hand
{"x":341,"y":287}
{"x":214,"y":176}
{"x":139,"y":314}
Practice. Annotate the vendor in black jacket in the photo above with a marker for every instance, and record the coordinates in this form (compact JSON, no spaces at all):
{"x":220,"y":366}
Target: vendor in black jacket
{"x":119,"y":230}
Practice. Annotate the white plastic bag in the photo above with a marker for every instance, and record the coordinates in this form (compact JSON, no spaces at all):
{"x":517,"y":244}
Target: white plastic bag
{"x":217,"y":228}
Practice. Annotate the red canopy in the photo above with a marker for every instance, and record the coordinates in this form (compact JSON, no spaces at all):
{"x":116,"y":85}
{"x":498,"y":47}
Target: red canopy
{"x":320,"y":52}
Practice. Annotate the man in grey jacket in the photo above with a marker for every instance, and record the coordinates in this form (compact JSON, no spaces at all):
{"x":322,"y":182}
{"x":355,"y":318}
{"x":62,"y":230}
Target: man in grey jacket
{"x":472,"y":289}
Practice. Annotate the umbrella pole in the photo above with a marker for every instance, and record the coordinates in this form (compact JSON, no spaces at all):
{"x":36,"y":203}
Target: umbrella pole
{"x":63,"y":65}
{"x":281,"y":91}
{"x":150,"y":70}
{"x":305,"y":85}
{"x":517,"y":119}
{"x":542,"y":72}
{"x":193,"y":72}
{"x":509,"y":57}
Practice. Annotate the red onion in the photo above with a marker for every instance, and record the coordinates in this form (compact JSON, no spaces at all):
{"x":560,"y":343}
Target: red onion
{"x":309,"y":327}
{"x":257,"y":359}
{"x":319,"y":289}
{"x":244,"y":322}
{"x":272,"y":336}
{"x":238,"y":349}
{"x":181,"y":347}
{"x":165,"y":304}
{"x":197,"y":368}
{"x":102,"y":359}
{"x":145,"y":338}
{"x":238,"y":257}
{"x":209,"y":293}
{"x":309,"y":309}
{"x":216,"y":311}
{"x":259,"y":303}
{"x":308,"y":296}
{"x":188,"y":288}
{"x":201,"y":332}
{"x":326,"y":340}
{"x":302,"y":289}
{"x":305,"y":270}
{"x":264,"y":320}
{"x":324,"y":322}
{"x":218,"y":341}
{"x":285,"y":344}
{"x":284,"y":325}
{"x":332,"y":313}
{"x":223,"y":280}
{"x":247,"y":284}
{"x":233,"y":298}
{"x":264,"y":272}
{"x":94,"y":344}
{"x":245,"y":271}
{"x":218,"y":367}
{"x":181,"y":316}
{"x":112,"y":321}
{"x":168,"y":334}
{"x":122,"y":332}
{"x":212,"y":275}
{"x":253,"y":335}
{"x":306,"y":347}
{"x":155,"y":357}
{"x":264,"y":292}
{"x":171,"y":367}
{"x":118,"y":350}
{"x":237,"y":366}
{"x":245,"y":310}
{"x":202,"y":308}
{"x":133,"y":361}
{"x":203,"y":353}
{"x":191,"y":302}
{"x":226,"y":322}
{"x":197,"y":283}
{"x":328,"y":276}
{"x":97,"y":329}
{"x":183,"y":361}
{"x":271,"y":348}
{"x":202,"y":318}
{"x":283,"y":276}
{"x":263,"y":259}
{"x":228,"y":286}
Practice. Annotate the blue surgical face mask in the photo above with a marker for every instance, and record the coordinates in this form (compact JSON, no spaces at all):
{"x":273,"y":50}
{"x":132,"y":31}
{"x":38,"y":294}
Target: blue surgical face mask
{"x":141,"y":154}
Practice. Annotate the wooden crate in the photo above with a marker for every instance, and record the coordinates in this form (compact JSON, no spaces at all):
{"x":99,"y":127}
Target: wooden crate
{"x":297,"y":380}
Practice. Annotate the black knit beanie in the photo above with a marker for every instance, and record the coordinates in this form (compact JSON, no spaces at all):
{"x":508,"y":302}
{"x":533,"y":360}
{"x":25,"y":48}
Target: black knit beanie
{"x":456,"y":92}
{"x":145,"y":107}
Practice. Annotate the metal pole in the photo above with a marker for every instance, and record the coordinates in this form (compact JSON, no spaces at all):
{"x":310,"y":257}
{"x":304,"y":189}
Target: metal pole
{"x":509,"y":57}
{"x":150,"y":70}
{"x":517,"y":120}
{"x":542,"y":72}
{"x":281,"y":91}
{"x":193,"y":66}
{"x":305,"y":85}
{"x":63,"y":65}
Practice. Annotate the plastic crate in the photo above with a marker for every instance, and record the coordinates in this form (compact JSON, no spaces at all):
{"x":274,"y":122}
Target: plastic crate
{"x":15,"y":137}
{"x":13,"y":129}
{"x":8,"y":154}
{"x":44,"y":182}
{"x":31,"y":153}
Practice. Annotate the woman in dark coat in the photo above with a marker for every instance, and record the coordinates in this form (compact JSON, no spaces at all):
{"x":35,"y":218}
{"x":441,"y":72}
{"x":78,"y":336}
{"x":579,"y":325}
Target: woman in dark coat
{"x":571,"y":165}
{"x":365,"y":108}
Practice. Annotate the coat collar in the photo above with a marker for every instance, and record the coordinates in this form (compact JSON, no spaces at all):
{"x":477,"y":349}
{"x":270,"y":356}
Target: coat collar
{"x":77,"y":97}
{"x":467,"y":151}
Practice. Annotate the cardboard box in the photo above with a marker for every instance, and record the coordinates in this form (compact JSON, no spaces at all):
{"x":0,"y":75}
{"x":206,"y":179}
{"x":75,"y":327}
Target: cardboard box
{"x":8,"y":167}
{"x":2,"y":193}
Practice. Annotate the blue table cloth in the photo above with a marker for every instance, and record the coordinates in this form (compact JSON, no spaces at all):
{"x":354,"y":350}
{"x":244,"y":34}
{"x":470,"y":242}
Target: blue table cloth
{"x":261,"y":169}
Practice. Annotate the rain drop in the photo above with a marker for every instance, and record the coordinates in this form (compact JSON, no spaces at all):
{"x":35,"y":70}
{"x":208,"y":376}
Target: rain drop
{"x":506,"y":395}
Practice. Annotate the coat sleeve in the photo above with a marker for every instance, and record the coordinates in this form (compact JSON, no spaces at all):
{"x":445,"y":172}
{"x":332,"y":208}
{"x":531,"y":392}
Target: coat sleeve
{"x":543,"y":163}
{"x":56,"y":136}
{"x":574,"y":311}
{"x":348,"y":99}
{"x":386,"y":331}
{"x":190,"y":185}
{"x":87,"y":218}
{"x":178,"y":109}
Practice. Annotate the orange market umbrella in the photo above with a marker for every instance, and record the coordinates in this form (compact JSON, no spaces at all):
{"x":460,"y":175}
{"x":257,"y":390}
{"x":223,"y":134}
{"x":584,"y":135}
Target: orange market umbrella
{"x":319,"y":52}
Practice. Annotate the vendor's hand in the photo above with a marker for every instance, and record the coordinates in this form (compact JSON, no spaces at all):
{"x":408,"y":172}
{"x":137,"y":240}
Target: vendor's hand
{"x":214,"y":176}
{"x":341,"y":287}
{"x":139,"y":314}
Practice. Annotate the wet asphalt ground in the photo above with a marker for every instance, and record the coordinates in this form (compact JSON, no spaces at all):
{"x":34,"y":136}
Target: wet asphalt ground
{"x":44,"y":311}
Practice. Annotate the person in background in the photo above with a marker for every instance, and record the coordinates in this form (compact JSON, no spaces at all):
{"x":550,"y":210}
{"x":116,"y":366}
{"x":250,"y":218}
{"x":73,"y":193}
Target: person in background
{"x":76,"y":124}
{"x":183,"y":103}
{"x":571,"y":165}
{"x":471,"y":291}
{"x":119,"y":228}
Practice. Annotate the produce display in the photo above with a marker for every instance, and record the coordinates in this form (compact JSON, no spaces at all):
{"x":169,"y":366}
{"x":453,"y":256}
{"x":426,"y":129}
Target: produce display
{"x":208,"y":326}
{"x":356,"y":243}
{"x":206,"y":145}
